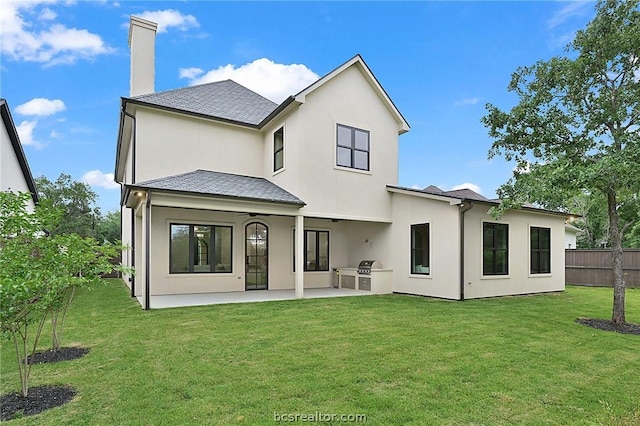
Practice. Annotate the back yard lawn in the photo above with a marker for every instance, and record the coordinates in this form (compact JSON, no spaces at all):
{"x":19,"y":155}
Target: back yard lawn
{"x":396,"y":359}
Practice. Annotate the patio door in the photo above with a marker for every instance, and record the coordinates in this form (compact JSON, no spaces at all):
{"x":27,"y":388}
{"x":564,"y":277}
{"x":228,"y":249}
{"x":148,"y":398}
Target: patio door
{"x":256,"y":256}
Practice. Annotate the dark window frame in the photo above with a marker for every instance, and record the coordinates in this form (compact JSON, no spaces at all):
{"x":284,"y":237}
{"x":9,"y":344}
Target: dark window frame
{"x":278,"y":151}
{"x":211,"y":255}
{"x":317,"y":247}
{"x":538,"y":252}
{"x":493,"y":250}
{"x":414,"y":250}
{"x":352,"y":147}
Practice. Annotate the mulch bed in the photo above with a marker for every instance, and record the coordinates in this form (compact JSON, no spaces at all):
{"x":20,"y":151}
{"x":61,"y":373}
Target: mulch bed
{"x":14,"y":405}
{"x":62,"y":354}
{"x":607,"y":325}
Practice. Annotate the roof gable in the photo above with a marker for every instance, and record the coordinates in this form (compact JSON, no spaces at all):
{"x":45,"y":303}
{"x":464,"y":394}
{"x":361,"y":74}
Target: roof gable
{"x":359,"y":63}
{"x":17,"y":148}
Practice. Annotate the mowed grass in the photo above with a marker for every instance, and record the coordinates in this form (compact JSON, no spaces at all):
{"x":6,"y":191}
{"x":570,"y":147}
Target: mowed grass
{"x":396,"y":359}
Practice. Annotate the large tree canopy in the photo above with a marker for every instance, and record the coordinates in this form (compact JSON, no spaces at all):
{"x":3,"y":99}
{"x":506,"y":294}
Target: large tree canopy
{"x":575,"y":129}
{"x":76,"y":200}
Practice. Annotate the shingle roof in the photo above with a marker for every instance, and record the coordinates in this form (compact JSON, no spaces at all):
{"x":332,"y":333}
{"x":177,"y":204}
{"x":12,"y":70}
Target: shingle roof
{"x":465,"y":194}
{"x":222,"y":99}
{"x":205,"y":182}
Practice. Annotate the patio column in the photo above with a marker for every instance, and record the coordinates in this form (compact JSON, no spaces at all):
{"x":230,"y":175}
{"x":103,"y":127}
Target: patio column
{"x":299,"y":250}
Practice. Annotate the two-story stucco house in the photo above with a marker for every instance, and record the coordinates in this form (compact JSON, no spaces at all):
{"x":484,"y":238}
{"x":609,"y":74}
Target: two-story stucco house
{"x":15,"y":174}
{"x":226,"y":191}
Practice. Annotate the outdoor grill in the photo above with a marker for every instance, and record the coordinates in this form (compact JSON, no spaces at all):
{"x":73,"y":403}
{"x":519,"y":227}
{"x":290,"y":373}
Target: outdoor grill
{"x":365,"y":267}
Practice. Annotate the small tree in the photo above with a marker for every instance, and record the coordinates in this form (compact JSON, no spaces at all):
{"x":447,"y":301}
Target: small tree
{"x":26,"y":257}
{"x":39,"y":274}
{"x":82,"y":262}
{"x":575,"y":128}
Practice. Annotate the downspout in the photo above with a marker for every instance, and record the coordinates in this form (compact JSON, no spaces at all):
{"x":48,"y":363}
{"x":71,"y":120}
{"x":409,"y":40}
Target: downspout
{"x":147,"y":257}
{"x":133,"y":216}
{"x":463,"y":207}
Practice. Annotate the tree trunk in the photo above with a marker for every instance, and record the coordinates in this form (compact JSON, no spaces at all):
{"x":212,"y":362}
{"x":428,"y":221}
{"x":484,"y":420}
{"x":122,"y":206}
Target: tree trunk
{"x":618,"y":316}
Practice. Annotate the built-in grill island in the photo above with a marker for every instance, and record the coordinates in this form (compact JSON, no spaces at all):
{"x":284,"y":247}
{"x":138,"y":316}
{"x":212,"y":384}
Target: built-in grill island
{"x":368,"y":276}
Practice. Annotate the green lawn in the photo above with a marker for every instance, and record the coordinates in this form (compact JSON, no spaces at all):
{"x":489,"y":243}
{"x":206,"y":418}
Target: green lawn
{"x":397,"y":359}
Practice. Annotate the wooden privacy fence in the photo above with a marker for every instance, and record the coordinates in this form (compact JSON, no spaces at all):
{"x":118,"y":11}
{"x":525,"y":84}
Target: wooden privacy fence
{"x":593,"y":267}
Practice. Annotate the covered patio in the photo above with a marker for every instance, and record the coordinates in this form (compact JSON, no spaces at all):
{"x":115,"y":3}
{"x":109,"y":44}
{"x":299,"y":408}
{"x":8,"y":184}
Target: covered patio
{"x":203,"y":299}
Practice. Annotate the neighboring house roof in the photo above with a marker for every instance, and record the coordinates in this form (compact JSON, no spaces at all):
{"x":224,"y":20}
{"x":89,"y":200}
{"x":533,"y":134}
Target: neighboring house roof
{"x":206,"y":182}
{"x":433,"y":189}
{"x":465,"y":195}
{"x":570,"y":228}
{"x":17,"y":148}
{"x":225,"y":100}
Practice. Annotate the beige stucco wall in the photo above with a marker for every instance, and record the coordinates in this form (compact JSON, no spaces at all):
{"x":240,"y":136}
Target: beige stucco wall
{"x":310,"y":151}
{"x":169,"y":144}
{"x":280,"y":240}
{"x":519,"y":280}
{"x":11,"y":177}
{"x":442,"y":217}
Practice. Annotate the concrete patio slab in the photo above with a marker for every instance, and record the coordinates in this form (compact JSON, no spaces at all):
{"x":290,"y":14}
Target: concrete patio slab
{"x":202,"y":299}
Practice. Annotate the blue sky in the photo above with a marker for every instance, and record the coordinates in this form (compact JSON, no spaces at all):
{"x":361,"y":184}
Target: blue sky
{"x":65,"y":64}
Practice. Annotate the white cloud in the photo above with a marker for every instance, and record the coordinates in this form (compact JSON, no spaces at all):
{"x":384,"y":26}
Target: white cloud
{"x":467,"y":185}
{"x":100,"y":179}
{"x":47,"y":14}
{"x":570,"y":10}
{"x":54,"y":135}
{"x":190,"y":73}
{"x":522,"y":168}
{"x":273,"y":81}
{"x":466,"y":101}
{"x":41,"y":107}
{"x":30,"y":34}
{"x":25,"y":132}
{"x":169,"y":18}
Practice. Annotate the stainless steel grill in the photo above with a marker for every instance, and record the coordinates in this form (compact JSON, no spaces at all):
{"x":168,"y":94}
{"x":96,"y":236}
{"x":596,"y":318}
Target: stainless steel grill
{"x":365,"y":267}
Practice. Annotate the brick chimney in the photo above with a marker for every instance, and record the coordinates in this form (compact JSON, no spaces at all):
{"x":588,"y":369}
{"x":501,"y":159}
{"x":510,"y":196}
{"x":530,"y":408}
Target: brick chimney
{"x":142,"y":43}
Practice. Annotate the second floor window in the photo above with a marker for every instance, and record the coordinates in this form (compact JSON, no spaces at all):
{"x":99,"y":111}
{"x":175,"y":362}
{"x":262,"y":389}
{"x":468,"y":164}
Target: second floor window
{"x":352,"y":148}
{"x":278,"y":149}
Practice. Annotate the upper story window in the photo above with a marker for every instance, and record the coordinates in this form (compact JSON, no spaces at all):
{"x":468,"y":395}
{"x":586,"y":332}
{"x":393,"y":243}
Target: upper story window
{"x":540,"y":250}
{"x":278,"y":149}
{"x":420,"y":249}
{"x":352,"y":148}
{"x":199,"y":248}
{"x":495,"y":248}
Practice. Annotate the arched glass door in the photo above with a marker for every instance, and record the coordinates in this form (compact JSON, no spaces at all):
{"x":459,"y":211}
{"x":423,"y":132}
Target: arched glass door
{"x":256,"y":256}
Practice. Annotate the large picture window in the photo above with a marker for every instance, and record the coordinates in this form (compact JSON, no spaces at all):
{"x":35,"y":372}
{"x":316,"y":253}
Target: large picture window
{"x":352,"y":148}
{"x":278,"y":149}
{"x":199,"y":249}
{"x":316,"y":250}
{"x":540,"y":250}
{"x":420,"y":249}
{"x":495,"y":248}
